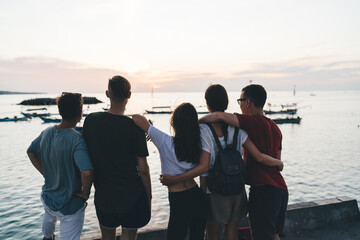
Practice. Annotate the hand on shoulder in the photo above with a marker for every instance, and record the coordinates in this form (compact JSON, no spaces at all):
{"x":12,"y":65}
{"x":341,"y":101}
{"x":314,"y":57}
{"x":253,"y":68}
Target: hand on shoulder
{"x":141,"y":122}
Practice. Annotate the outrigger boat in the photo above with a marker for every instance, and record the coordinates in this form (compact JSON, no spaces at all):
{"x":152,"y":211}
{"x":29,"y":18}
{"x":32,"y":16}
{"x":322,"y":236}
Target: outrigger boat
{"x":14,"y":119}
{"x":166,"y":110}
{"x":50,"y":120}
{"x":287,"y":120}
{"x":35,"y":114}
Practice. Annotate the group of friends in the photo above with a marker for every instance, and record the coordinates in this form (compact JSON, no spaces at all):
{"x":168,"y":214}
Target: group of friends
{"x":112,"y":153}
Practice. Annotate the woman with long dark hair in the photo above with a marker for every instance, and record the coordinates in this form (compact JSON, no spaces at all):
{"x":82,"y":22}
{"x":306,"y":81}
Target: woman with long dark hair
{"x":179,"y":153}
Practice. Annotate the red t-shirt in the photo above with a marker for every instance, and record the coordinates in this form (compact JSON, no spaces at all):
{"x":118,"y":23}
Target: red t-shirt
{"x":267,"y":137}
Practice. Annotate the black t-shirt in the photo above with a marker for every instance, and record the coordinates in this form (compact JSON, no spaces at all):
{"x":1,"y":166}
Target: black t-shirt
{"x":114,"y":143}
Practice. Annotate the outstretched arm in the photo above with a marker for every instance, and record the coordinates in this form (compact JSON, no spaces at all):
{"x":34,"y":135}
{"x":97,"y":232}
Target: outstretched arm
{"x":141,"y":122}
{"x":261,"y":158}
{"x":228,"y":118}
{"x":36,"y":162}
{"x":201,"y":168}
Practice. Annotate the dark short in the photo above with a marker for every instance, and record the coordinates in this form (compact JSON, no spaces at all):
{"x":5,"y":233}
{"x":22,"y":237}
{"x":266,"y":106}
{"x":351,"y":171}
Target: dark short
{"x":267,"y":209}
{"x":138,"y":216}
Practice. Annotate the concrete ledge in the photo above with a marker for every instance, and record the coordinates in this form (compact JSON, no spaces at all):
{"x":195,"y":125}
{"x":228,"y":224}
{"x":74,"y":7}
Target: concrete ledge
{"x":300,"y":217}
{"x":317,"y":214}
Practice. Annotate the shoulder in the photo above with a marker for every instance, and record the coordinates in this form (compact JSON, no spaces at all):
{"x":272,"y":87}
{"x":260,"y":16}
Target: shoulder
{"x":95,"y":115}
{"x":245,"y":117}
{"x":204,"y":127}
{"x":48,"y":131}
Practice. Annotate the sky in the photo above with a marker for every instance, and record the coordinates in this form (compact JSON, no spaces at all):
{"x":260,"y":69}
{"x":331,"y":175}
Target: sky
{"x":166,"y":45}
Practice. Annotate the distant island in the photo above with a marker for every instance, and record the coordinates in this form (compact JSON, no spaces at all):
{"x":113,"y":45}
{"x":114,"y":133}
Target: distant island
{"x":52,"y":101}
{"x":10,"y":92}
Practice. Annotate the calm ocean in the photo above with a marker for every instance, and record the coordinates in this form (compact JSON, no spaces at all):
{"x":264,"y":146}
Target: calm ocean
{"x":321,"y":154}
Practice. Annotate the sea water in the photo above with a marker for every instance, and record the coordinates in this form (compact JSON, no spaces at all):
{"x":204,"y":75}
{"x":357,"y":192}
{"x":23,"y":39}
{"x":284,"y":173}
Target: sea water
{"x":321,"y":154}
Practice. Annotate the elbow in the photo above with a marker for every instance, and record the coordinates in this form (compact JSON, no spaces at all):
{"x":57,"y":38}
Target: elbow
{"x":205,"y":169}
{"x":88,"y":173}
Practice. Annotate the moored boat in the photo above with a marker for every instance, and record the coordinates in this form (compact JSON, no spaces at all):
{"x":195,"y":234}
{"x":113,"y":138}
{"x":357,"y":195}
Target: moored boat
{"x":168,"y":110}
{"x":287,"y":120}
{"x":290,"y":111}
{"x":35,"y":114}
{"x":14,"y":119}
{"x":50,"y":120}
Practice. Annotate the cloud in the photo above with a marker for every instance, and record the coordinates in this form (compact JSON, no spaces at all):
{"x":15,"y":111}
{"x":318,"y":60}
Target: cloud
{"x":41,"y":74}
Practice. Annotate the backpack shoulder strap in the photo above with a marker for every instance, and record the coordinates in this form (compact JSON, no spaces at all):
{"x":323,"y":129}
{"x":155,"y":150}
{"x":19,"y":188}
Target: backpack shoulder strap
{"x":235,"y":138}
{"x":215,"y":136}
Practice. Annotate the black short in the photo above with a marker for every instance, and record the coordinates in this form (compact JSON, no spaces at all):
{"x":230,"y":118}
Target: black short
{"x":267,"y":208}
{"x":137,"y":217}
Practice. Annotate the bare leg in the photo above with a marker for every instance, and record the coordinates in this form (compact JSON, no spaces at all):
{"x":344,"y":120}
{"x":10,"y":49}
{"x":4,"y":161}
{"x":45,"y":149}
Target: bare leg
{"x":108,"y":233}
{"x":276,"y":237}
{"x":230,"y":230}
{"x":213,"y":231}
{"x":128,"y":234}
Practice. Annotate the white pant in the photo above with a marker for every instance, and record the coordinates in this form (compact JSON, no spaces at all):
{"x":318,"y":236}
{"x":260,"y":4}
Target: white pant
{"x":70,"y":225}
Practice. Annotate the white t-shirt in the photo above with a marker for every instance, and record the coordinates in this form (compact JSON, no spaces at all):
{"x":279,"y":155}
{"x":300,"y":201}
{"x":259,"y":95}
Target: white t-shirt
{"x":209,"y":145}
{"x":165,"y":144}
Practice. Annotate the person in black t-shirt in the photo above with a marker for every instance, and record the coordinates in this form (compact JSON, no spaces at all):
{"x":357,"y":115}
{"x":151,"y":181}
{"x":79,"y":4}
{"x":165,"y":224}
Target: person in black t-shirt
{"x":118,"y":151}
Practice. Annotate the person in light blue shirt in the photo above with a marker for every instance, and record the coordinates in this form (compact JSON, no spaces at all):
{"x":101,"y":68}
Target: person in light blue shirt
{"x":60,"y":154}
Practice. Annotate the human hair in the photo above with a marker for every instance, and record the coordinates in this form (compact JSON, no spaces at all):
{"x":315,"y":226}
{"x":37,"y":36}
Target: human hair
{"x":217,"y":100}
{"x":119,"y":88}
{"x":256,"y":93}
{"x":187,"y":141}
{"x":70,"y":105}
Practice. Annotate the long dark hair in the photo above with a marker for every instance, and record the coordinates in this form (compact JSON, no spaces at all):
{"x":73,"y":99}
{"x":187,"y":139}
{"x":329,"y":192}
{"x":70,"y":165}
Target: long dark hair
{"x":217,"y":101}
{"x":187,"y":133}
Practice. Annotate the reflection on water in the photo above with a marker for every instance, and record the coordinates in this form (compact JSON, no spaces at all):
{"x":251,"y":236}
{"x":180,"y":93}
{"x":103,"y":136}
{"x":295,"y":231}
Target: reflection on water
{"x":320,"y":154}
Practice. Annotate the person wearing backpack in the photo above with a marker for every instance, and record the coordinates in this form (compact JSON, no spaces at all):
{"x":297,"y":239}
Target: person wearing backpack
{"x":268,"y":192}
{"x":224,"y":210}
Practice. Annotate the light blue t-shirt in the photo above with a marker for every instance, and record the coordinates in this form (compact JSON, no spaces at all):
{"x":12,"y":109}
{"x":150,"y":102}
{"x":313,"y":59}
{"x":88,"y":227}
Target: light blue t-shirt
{"x":64,"y":156}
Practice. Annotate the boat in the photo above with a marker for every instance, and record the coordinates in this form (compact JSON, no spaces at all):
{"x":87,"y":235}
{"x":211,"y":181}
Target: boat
{"x":167,"y":110}
{"x":160,"y":110}
{"x":36,"y":109}
{"x":50,"y":120}
{"x":14,"y":119}
{"x":35,"y":114}
{"x":287,"y":120}
{"x":291,"y":111}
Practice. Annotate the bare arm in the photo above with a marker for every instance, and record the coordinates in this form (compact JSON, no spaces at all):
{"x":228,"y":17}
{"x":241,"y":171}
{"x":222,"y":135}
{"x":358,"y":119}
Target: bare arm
{"x":86,"y":181}
{"x":201,"y":168}
{"x":261,"y":158}
{"x":144,"y":173}
{"x":141,"y":122}
{"x":228,"y":118}
{"x":36,"y":162}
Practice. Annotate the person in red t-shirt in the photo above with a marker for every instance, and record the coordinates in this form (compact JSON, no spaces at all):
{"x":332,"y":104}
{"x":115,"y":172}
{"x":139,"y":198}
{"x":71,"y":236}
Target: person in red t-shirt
{"x":268,"y":192}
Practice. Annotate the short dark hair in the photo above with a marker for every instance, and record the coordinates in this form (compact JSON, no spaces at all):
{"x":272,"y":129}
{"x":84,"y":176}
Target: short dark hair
{"x":187,"y":140}
{"x":70,"y":105}
{"x":119,"y":88}
{"x":216,"y":98}
{"x":256,"y":93}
